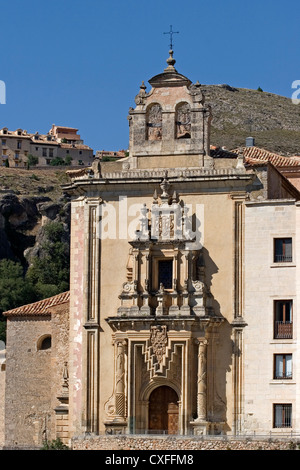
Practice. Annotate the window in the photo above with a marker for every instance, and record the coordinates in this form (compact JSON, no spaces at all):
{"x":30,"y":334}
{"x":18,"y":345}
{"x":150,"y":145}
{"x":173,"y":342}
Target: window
{"x":283,"y":324}
{"x":44,"y":343}
{"x":282,"y":416}
{"x":44,"y":152}
{"x":165,"y":273}
{"x":282,"y":366}
{"x":3,"y":142}
{"x":50,"y":152}
{"x":282,"y":250}
{"x":19,"y":144}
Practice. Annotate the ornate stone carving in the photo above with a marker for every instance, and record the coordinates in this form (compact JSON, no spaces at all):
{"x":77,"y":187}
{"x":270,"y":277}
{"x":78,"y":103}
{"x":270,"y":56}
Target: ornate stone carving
{"x":159,"y":341}
{"x":154,"y":122}
{"x":196,"y":93}
{"x":140,"y":98}
{"x":183,"y":121}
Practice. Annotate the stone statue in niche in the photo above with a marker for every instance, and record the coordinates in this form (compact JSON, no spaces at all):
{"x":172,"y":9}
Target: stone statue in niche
{"x":154,"y":122}
{"x":183,"y":122}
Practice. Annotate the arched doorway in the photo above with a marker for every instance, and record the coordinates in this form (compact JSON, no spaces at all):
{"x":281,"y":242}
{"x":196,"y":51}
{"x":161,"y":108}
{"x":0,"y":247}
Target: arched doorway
{"x":163,"y":410}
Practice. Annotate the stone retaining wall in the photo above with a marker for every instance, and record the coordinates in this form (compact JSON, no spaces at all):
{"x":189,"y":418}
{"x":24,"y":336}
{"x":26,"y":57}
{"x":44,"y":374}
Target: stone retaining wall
{"x":180,"y":443}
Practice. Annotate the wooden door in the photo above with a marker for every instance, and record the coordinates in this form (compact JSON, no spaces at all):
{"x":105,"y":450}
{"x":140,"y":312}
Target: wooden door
{"x":163,"y":410}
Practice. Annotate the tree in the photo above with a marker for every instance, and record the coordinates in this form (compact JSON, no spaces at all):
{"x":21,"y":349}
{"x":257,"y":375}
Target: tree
{"x":259,"y":89}
{"x":15,"y":290}
{"x":32,"y":160}
{"x":57,"y":161}
{"x":49,"y":274}
{"x":68,"y":160}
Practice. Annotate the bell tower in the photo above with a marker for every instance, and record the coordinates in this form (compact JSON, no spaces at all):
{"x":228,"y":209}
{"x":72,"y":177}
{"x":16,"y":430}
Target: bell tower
{"x":170,"y":125}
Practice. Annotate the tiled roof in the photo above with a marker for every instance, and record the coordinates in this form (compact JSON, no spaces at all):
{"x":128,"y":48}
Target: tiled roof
{"x":75,"y":146}
{"x":254,"y":154}
{"x":41,"y":307}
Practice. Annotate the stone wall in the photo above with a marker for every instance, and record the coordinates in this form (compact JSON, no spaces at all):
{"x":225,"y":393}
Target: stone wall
{"x":28,"y":382}
{"x":191,"y":443}
{"x":2,"y":398}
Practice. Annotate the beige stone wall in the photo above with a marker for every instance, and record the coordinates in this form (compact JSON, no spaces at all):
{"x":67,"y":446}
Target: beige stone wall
{"x":34,"y":377}
{"x":266,"y":282}
{"x":11,"y":148}
{"x":218,"y":219}
{"x":28,"y":382}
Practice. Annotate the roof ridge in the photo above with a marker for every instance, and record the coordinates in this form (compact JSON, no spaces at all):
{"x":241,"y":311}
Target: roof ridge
{"x":41,"y":306}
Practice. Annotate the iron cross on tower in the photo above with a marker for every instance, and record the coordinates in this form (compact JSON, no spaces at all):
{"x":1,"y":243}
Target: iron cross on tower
{"x":171,"y":32}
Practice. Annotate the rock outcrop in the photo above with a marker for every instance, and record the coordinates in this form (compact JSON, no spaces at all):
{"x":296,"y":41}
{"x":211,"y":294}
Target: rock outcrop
{"x":21,"y":224}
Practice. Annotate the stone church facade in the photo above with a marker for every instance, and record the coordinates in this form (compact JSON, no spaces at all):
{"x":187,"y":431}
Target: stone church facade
{"x":172,"y":291}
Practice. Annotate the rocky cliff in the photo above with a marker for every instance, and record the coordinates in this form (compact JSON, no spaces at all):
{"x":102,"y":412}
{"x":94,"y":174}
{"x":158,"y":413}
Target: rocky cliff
{"x":27,"y":204}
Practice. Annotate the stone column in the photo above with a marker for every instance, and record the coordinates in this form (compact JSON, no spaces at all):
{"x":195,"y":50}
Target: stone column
{"x":200,"y":424}
{"x":201,"y":382}
{"x":120,"y":405}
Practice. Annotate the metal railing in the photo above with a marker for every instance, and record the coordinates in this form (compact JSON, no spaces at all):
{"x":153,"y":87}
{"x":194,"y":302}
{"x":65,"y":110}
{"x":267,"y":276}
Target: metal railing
{"x":283,"y":259}
{"x":283,"y":330}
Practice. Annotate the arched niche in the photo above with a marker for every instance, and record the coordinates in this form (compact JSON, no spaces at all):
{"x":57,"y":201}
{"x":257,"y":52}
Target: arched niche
{"x":44,"y":343}
{"x":183,"y":121}
{"x":154,"y":122}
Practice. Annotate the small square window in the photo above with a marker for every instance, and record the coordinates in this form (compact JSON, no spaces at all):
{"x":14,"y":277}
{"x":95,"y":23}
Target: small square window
{"x":282,"y":250}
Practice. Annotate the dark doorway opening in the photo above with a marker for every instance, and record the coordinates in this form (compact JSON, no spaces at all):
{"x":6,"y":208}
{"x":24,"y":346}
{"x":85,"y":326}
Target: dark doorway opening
{"x":163,"y":411}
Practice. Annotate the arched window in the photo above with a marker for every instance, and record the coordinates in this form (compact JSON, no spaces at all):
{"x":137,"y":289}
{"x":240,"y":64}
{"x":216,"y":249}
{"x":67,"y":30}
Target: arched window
{"x":44,"y":343}
{"x":183,"y":121}
{"x":154,"y":122}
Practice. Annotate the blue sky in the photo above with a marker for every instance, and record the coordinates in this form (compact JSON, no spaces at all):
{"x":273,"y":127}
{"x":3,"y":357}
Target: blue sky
{"x":80,"y":63}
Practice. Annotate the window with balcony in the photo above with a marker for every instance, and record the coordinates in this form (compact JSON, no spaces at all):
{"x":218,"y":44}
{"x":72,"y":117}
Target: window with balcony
{"x":282,"y":416}
{"x":282,"y":366}
{"x":283,"y":250}
{"x":283,"y":322}
{"x":19,"y":144}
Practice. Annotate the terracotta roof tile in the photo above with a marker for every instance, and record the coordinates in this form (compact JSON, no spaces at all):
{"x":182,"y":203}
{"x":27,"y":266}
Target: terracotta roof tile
{"x":256,"y":153}
{"x":39,"y":308}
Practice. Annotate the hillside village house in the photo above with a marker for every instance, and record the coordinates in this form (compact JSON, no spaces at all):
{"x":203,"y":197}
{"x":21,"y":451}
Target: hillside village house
{"x":183,"y":314}
{"x":61,"y":141}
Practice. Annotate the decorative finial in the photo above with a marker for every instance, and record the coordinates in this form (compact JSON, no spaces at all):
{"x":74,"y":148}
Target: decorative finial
{"x":171,"y":61}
